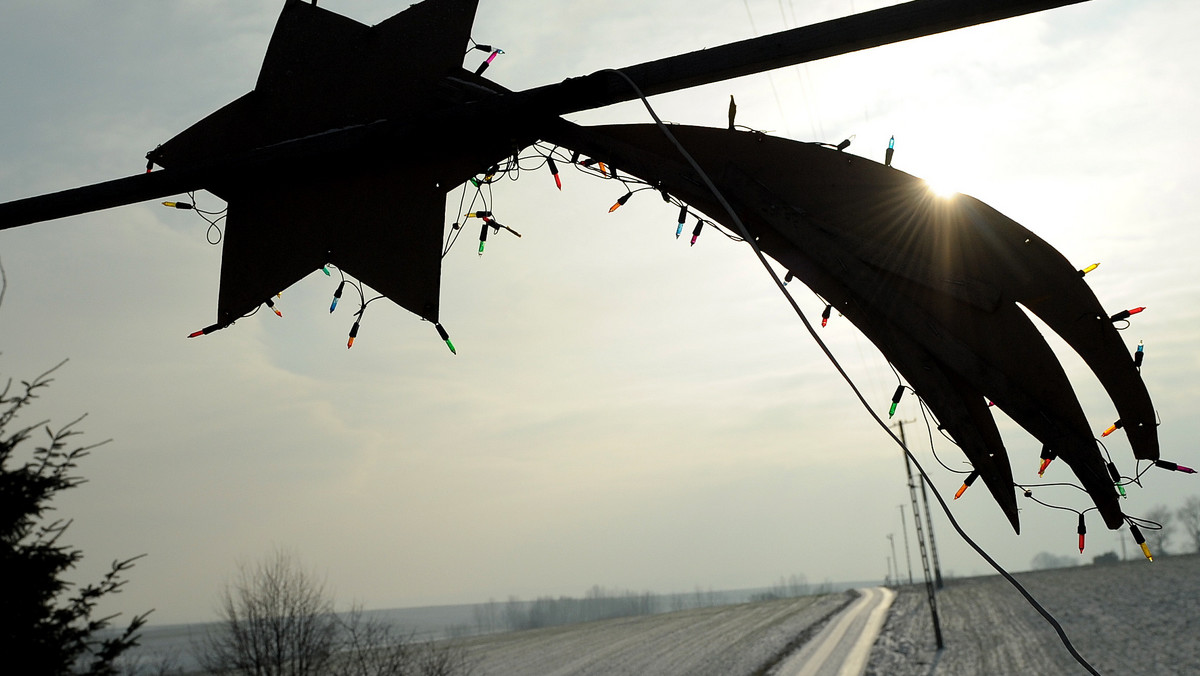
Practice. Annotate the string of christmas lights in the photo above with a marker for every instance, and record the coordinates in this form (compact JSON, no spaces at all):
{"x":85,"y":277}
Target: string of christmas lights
{"x":541,"y":155}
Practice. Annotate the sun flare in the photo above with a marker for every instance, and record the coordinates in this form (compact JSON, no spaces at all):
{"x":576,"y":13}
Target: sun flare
{"x":941,"y":186}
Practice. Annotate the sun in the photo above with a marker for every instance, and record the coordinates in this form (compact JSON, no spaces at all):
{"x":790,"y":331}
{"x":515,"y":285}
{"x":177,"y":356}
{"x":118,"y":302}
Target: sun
{"x":941,"y":186}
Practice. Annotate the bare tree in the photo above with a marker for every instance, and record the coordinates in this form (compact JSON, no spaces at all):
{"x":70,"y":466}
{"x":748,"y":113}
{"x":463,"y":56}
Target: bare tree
{"x":798,"y":585}
{"x":1189,"y":519}
{"x":277,"y":620}
{"x":487,"y":617}
{"x":1157,"y":538}
{"x":370,"y":648}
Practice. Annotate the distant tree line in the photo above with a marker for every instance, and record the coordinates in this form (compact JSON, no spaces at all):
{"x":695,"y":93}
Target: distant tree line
{"x":599,"y":603}
{"x":789,"y":588}
{"x":546,"y":611}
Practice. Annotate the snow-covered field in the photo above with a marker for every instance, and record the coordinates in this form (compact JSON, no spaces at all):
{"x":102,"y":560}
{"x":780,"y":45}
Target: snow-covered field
{"x":1134,"y":617}
{"x":1126,"y":618}
{"x":722,"y":641}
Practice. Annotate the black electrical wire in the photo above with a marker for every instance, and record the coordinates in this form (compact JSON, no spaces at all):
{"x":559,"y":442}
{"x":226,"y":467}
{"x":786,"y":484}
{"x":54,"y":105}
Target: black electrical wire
{"x":358,"y":287}
{"x":1050,"y":484}
{"x":896,"y":373}
{"x":1138,"y":479}
{"x":512,"y":167}
{"x":452,"y":236}
{"x":1029,"y":494}
{"x":925,"y":413}
{"x":845,"y":376}
{"x":456,"y":230}
{"x":213,"y":223}
{"x":1144,"y":523}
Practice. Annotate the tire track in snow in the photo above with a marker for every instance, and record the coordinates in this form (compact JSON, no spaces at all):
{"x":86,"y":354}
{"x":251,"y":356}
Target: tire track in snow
{"x":842,"y":647}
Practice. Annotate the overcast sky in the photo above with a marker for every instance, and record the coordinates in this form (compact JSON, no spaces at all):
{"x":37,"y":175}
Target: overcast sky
{"x":623,"y":410}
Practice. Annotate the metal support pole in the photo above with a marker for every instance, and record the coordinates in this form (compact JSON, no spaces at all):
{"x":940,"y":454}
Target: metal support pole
{"x":904,"y":527}
{"x":929,"y":590}
{"x":937,"y":567}
{"x":865,"y":30}
{"x":895,"y":561}
{"x":541,"y":104}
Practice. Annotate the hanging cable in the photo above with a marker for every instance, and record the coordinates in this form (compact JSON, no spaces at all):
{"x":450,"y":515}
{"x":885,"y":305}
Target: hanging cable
{"x":849,"y":381}
{"x":213,"y":218}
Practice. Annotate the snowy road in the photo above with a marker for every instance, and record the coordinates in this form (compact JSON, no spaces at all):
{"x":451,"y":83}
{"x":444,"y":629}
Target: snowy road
{"x":718,"y":641}
{"x":842,"y":647}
